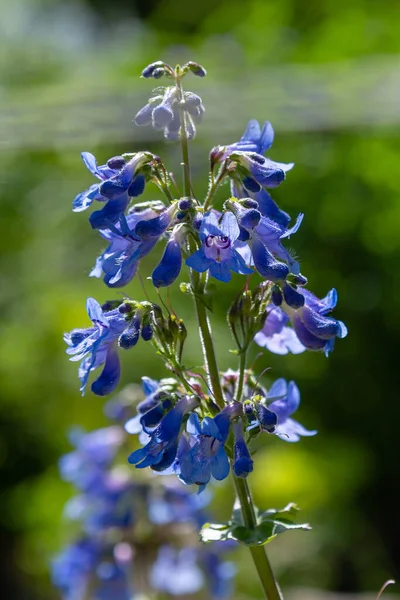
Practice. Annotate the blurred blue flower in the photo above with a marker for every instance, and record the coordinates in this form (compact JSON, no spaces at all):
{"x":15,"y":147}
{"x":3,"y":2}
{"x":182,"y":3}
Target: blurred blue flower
{"x":177,"y":572}
{"x":218,"y":253}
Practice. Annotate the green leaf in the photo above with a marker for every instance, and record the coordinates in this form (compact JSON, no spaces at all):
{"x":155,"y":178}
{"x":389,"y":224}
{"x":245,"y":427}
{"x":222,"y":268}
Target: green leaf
{"x":214,"y":532}
{"x":270,"y":524}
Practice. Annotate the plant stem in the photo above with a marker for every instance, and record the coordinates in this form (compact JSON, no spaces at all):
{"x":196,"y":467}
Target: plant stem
{"x":258,"y":554}
{"x":184,"y":144}
{"x":242,"y":367}
{"x":206,"y":340}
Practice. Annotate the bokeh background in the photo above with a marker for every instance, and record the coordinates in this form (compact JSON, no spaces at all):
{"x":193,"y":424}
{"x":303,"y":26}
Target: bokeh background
{"x":327,"y":74}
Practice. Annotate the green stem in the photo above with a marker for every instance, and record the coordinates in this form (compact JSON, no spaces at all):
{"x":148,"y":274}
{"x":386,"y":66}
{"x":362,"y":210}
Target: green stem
{"x":214,"y":185}
{"x":184,"y":144}
{"x":258,"y":554}
{"x":242,"y":367}
{"x":206,"y":340}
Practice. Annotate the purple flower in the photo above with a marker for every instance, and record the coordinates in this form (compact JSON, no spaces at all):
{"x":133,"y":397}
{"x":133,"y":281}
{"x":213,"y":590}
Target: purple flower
{"x":218,"y":253}
{"x":96,"y":346}
{"x":130,"y":240}
{"x":242,"y":463}
{"x":160,"y":452}
{"x":119,"y":181}
{"x":201,"y":453}
{"x":312,"y":328}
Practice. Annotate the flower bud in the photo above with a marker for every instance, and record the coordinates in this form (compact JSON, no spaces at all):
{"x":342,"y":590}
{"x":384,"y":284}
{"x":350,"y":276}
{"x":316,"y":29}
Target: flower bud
{"x":185,"y":204}
{"x":116,"y":162}
{"x":130,"y":336}
{"x":276,"y":295}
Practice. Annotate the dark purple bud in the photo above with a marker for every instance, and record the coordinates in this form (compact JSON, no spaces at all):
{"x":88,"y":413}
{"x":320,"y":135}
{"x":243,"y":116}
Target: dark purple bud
{"x":185,"y":204}
{"x":149,"y":70}
{"x":217,"y":154}
{"x":249,"y":203}
{"x":196,"y":69}
{"x":116,"y":162}
{"x":180,"y":215}
{"x":276,"y":295}
{"x":125,"y":308}
{"x":292,"y":297}
{"x":130,"y":336}
{"x":147,"y":332}
{"x":110,"y":305}
{"x":158,"y":73}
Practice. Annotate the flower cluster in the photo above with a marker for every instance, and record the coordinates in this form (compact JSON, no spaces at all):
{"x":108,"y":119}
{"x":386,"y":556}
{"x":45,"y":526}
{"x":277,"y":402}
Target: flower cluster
{"x":178,"y":438}
{"x":197,"y":426}
{"x":118,"y":517}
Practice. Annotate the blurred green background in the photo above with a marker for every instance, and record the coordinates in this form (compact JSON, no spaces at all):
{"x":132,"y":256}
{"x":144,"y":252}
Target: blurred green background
{"x":327,"y":75}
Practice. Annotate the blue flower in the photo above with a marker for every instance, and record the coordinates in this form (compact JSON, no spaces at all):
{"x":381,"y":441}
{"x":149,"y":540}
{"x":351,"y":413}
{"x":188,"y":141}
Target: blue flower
{"x":119,"y":182}
{"x":266,"y":246}
{"x":71,"y":570}
{"x":312,"y":328}
{"x":255,"y":170}
{"x":217,"y":253}
{"x":266,"y":205}
{"x":257,"y":140}
{"x":152,"y":409}
{"x":169,"y":266}
{"x":242,"y":462}
{"x":202,"y":453}
{"x":161,"y":450}
{"x":94,"y":453}
{"x":97,"y":346}
{"x":130,"y":240}
{"x":286,"y":403}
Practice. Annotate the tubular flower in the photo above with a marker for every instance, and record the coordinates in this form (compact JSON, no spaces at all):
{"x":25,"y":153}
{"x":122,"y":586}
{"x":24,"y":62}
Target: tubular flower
{"x":161,"y":450}
{"x":130,"y":240}
{"x":284,"y":400}
{"x":218,"y":252}
{"x":257,"y":140}
{"x":97,"y":345}
{"x":201,"y":453}
{"x":119,"y":181}
{"x":243,"y":463}
{"x":312,"y":328}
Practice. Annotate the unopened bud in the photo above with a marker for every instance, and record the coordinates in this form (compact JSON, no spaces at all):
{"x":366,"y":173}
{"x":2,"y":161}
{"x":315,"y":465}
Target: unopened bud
{"x":116,"y":162}
{"x":130,"y":336}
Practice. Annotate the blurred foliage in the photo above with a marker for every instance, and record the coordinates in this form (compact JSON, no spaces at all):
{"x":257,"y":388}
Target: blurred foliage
{"x":68,"y":75}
